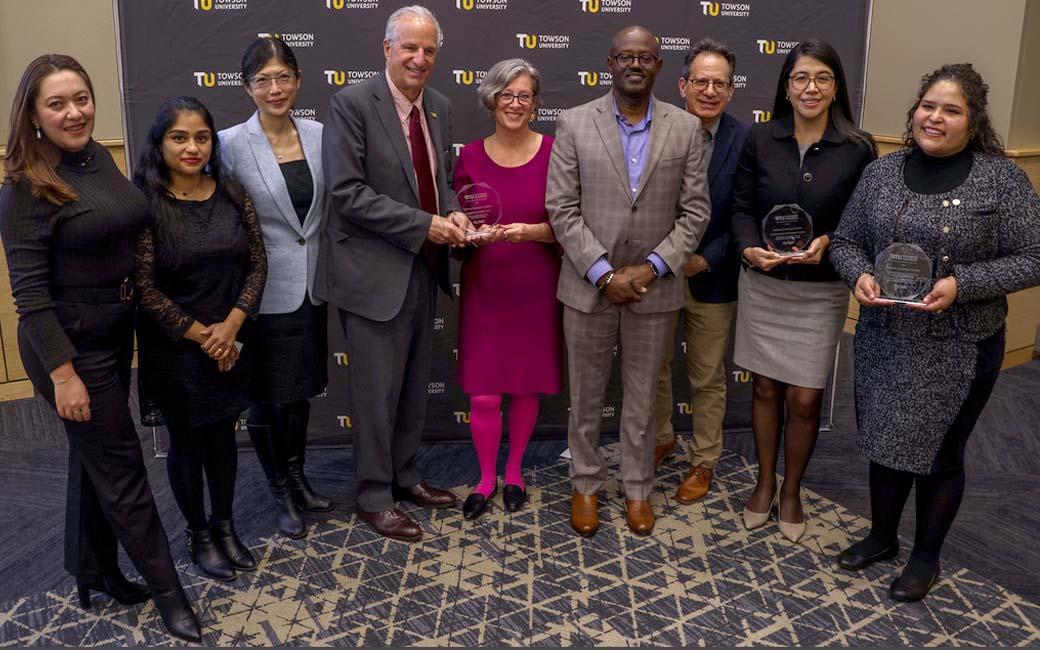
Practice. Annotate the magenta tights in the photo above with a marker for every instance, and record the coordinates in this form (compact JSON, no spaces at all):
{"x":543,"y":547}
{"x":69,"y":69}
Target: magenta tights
{"x":486,"y":426}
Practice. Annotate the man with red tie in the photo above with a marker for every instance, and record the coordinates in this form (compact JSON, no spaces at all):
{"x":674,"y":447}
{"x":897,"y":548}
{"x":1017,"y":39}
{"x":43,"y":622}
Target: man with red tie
{"x":384,"y":252}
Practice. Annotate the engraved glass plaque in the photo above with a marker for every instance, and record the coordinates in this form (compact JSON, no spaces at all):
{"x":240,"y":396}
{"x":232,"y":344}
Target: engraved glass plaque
{"x":904,"y":273}
{"x":482,"y":204}
{"x":787,"y":230}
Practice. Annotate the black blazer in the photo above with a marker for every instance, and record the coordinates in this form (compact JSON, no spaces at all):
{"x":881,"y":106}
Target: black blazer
{"x":769,"y":174}
{"x":720,"y":283}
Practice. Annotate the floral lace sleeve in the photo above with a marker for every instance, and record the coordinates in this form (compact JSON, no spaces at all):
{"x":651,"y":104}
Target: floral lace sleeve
{"x":253,"y":288}
{"x":173,"y":320}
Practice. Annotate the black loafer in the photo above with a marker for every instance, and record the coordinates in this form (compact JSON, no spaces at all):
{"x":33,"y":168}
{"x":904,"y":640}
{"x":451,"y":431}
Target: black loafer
{"x":513,"y":496}
{"x":851,"y":560}
{"x":476,"y":504}
{"x":908,"y":588}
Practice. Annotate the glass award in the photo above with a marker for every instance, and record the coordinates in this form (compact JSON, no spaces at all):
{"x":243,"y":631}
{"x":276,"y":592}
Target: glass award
{"x":787,"y":230}
{"x":904,"y":273}
{"x":482,"y":205}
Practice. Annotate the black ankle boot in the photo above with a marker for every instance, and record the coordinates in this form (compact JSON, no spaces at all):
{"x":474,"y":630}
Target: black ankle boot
{"x":115,"y":585}
{"x":206,"y":555}
{"x":234,"y":550}
{"x":177,"y":616}
{"x":302,"y":493}
{"x":290,"y":521}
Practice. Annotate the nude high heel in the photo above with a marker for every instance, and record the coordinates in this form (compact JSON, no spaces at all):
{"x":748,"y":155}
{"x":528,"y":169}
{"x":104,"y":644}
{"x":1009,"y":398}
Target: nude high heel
{"x":753,"y":520}
{"x":790,"y":530}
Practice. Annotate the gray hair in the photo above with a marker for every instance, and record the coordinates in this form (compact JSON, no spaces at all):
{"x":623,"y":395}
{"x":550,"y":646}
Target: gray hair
{"x":709,"y":46}
{"x":501,"y":75}
{"x":417,"y":11}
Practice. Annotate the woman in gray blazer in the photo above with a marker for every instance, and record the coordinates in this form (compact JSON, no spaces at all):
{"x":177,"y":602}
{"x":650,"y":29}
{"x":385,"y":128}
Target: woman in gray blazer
{"x":278,"y":161}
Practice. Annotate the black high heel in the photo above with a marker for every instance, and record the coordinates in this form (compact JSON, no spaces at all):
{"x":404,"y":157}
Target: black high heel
{"x":177,"y":615}
{"x":115,"y":586}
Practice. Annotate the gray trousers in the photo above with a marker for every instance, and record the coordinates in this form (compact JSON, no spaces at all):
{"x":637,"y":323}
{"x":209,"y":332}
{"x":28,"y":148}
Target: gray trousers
{"x":388,"y":370}
{"x":590,"y":354}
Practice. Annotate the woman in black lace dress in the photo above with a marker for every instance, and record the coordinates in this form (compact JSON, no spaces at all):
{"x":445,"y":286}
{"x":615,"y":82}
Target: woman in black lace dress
{"x":200,"y":272}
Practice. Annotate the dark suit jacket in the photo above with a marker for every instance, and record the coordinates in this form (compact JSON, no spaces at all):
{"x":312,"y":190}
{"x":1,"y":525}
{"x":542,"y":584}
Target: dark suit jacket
{"x":720,"y":284}
{"x":374,"y":227}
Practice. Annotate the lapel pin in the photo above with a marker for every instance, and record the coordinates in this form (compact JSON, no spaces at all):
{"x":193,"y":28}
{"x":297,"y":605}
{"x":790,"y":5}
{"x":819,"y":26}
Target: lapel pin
{"x":433,"y":115}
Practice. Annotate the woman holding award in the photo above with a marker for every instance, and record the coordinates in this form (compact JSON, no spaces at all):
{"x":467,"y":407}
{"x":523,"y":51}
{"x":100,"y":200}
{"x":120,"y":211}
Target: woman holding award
{"x":510,"y":327}
{"x":278,"y":161}
{"x":793,"y":179}
{"x":925,"y":370}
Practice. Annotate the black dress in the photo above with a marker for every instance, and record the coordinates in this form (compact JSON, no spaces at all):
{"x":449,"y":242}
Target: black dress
{"x":220,"y":264}
{"x":68,"y":266}
{"x":292,"y":350}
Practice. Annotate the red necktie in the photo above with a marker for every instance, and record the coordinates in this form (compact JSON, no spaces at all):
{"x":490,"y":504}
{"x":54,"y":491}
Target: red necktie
{"x":424,"y":179}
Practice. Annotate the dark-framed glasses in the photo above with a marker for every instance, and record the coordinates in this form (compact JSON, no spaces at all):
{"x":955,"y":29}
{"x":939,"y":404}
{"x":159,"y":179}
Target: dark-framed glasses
{"x":719,"y":85}
{"x":284,"y":80}
{"x":645,"y":60}
{"x":823,"y":81}
{"x":506,"y":98}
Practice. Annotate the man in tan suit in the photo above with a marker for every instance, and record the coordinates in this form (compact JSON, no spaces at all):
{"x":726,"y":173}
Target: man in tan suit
{"x":628,"y":200}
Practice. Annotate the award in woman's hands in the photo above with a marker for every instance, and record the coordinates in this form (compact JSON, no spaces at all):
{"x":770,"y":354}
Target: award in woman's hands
{"x":482,"y":205}
{"x":787,"y":230}
{"x":904,"y":273}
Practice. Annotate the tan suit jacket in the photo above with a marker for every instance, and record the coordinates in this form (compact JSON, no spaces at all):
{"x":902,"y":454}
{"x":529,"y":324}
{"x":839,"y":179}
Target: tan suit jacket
{"x":593,"y":212}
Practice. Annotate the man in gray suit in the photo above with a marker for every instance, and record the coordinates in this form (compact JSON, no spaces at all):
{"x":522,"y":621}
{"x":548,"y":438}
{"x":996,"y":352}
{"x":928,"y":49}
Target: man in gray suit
{"x":628,"y":200}
{"x":387,"y":155}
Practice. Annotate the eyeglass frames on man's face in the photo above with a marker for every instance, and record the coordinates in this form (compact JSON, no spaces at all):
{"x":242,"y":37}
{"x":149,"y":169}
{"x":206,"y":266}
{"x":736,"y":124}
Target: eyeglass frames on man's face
{"x":801,"y":81}
{"x":702,"y":84}
{"x":625,"y":59}
{"x":260,"y":82}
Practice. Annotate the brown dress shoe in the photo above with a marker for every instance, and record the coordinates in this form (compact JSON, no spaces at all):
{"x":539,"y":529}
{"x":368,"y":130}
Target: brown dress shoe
{"x":425,"y":495}
{"x":640,"y":516}
{"x":663,"y":451}
{"x":392,"y":523}
{"x":584,"y":513}
{"x":695,"y":485}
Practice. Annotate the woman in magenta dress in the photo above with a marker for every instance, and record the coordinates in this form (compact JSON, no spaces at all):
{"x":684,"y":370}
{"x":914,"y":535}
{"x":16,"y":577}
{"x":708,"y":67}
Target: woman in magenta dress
{"x":510,"y":327}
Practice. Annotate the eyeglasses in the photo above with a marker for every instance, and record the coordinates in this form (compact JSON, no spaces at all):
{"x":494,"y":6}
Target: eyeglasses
{"x":801,"y":81}
{"x":505,"y":97}
{"x":260,"y":82}
{"x":625,"y":59}
{"x":718,"y":84}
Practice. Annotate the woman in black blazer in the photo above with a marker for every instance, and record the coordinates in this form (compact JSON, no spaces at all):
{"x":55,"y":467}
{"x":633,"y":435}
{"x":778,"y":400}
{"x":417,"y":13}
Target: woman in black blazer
{"x":68,"y":220}
{"x":790,"y":310}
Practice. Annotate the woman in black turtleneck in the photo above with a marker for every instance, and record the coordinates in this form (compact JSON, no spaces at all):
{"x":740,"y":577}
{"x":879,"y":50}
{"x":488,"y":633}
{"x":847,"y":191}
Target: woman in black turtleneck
{"x":924,"y":372}
{"x":69,"y":221}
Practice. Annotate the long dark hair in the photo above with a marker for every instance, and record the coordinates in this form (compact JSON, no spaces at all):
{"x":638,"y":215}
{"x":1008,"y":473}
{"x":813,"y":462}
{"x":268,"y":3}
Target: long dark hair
{"x":984,"y":138}
{"x":28,"y":157}
{"x":262,"y":50}
{"x":840,"y":110}
{"x":153,"y":177}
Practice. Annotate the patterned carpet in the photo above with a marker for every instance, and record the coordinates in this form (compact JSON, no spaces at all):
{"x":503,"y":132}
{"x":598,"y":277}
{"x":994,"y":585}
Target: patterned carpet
{"x":527,"y":579}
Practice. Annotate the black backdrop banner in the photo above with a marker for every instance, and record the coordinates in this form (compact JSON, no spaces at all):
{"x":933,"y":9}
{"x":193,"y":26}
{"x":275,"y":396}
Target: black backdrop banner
{"x":194,"y":47}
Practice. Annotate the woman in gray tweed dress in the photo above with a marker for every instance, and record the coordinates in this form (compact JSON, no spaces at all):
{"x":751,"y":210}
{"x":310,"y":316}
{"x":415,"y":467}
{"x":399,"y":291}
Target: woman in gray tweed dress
{"x":925,"y":372}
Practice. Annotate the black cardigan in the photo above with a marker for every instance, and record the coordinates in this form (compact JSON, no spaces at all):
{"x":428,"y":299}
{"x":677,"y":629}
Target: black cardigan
{"x":769,"y":174}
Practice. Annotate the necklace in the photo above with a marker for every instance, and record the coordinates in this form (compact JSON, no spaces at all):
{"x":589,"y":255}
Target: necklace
{"x":194,"y":190}
{"x":277,"y":144}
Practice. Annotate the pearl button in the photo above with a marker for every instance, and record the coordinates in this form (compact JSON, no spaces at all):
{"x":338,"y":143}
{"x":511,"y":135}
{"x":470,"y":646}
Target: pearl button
{"x":946,"y":203}
{"x":633,"y":160}
{"x":956,"y":201}
{"x":946,"y":229}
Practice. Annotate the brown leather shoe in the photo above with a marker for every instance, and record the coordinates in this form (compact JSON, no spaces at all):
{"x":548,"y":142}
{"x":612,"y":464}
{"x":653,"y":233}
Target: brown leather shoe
{"x":640,"y":516}
{"x":392,"y":523}
{"x":663,"y":451}
{"x":425,"y":495}
{"x":584,"y":513}
{"x":695,"y":485}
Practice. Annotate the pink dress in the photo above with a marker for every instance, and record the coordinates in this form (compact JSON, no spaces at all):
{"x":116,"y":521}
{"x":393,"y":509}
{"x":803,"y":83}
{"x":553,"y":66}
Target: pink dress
{"x":510,"y":323}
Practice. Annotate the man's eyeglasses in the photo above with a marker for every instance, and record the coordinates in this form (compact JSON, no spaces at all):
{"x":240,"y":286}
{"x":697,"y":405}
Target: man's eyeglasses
{"x":505,"y":97}
{"x":260,"y":82}
{"x":718,"y":84}
{"x":625,"y":59}
{"x":801,"y":81}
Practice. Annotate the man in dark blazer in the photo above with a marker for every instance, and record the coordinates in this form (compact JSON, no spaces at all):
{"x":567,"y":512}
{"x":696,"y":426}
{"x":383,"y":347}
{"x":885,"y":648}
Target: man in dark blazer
{"x":387,"y":154}
{"x":706,"y":86}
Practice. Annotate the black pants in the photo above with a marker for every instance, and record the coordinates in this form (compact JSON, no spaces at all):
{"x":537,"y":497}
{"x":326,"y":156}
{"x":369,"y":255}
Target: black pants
{"x":108,"y":495}
{"x":388,"y":376}
{"x":207,"y":450}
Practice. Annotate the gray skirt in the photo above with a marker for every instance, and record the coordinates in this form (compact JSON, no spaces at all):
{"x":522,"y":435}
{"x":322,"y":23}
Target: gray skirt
{"x":788,"y":331}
